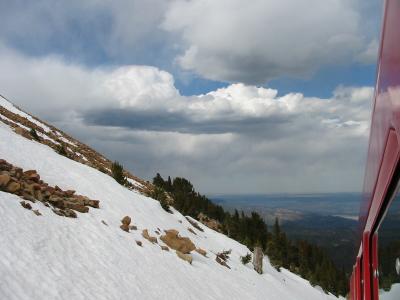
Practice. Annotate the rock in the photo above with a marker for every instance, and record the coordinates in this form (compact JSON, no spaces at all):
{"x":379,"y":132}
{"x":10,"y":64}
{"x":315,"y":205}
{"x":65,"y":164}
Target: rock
{"x":192,"y":231}
{"x":174,"y":241}
{"x":132,"y":227}
{"x":36,"y":212}
{"x":146,"y":235}
{"x":92,"y":203}
{"x":56,"y":201}
{"x":28,"y":197}
{"x":257,"y":259}
{"x":4,"y":180}
{"x":126,"y":220}
{"x":13,"y":187}
{"x":201,"y":251}
{"x":75,"y":206}
{"x":39,"y":195}
{"x":69,"y":213}
{"x":194,"y":224}
{"x":69,"y":193}
{"x":26,"y":205}
{"x":185,"y":257}
{"x":165,"y":248}
{"x":34,"y":177}
{"x":221,"y":262}
{"x":29,"y":173}
{"x":58,"y":212}
{"x":139,"y":243}
{"x":124,"y":227}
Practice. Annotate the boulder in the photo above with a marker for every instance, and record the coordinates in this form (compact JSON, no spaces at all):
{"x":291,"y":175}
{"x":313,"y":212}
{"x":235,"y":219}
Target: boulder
{"x":69,"y":193}
{"x":69,"y":213}
{"x":29,"y":173}
{"x":126,"y":220}
{"x":185,"y":257}
{"x":146,"y":235}
{"x":176,"y":242}
{"x":92,"y":203}
{"x":201,"y":251}
{"x":165,"y":248}
{"x":75,"y":206}
{"x":13,"y":187}
{"x":139,"y":243}
{"x":4,"y":180}
{"x":124,"y":227}
{"x":26,"y":205}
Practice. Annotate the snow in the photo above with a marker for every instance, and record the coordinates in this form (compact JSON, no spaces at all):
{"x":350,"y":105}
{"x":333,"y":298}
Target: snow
{"x":13,"y":122}
{"x":393,"y":294}
{"x":134,"y":182}
{"x":51,"y":257}
{"x":10,"y":107}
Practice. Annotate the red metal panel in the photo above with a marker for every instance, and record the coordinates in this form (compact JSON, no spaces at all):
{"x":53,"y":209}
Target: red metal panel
{"x":366,"y":274}
{"x":383,"y":151}
{"x":375,"y":278}
{"x":386,"y":112}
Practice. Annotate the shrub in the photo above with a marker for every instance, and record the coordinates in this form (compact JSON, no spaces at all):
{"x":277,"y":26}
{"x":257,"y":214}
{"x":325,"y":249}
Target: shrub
{"x":117,"y":171}
{"x":245,"y":259}
{"x":34,"y":134}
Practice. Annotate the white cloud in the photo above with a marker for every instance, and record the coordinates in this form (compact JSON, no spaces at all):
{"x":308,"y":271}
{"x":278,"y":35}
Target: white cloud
{"x":255,"y":41}
{"x":240,"y":138}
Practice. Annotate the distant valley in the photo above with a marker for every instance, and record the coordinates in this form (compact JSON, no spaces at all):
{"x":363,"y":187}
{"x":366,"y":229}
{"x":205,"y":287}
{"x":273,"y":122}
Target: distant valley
{"x":329,"y":220}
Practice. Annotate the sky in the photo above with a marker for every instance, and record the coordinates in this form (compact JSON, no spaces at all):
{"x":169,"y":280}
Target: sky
{"x":261,"y":96}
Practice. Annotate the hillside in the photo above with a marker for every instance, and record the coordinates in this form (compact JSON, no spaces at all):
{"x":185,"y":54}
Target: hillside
{"x":45,"y":255}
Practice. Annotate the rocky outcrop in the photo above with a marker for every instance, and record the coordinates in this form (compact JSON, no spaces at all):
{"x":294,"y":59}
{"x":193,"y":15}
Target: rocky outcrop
{"x":57,"y":139}
{"x":29,"y":186}
{"x":176,"y":242}
{"x":210,"y":223}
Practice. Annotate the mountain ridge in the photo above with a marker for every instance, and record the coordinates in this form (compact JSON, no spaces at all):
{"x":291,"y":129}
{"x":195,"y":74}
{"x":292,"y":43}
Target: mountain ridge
{"x":53,"y":257}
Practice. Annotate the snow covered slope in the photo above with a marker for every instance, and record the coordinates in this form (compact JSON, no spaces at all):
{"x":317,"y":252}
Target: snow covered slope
{"x":53,"y":257}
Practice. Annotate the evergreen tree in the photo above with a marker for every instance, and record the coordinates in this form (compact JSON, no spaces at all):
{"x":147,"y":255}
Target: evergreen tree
{"x":117,"y":171}
{"x":34,"y":134}
{"x":309,"y":261}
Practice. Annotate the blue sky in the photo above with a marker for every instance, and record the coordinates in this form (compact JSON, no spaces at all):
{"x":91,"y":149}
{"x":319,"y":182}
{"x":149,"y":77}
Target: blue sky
{"x":264,"y":68}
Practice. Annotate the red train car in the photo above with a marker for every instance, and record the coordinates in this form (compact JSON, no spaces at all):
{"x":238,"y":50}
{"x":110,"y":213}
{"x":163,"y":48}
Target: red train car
{"x":376,"y":273}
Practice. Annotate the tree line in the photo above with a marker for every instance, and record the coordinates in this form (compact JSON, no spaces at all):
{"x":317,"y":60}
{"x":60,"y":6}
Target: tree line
{"x":301,"y":257}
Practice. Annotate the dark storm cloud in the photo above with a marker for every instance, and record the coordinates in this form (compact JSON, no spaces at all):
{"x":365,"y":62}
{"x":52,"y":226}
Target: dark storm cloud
{"x":178,"y":122}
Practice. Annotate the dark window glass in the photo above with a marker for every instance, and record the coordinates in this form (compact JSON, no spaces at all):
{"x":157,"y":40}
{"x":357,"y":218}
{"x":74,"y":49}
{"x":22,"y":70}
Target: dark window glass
{"x":389,"y":250}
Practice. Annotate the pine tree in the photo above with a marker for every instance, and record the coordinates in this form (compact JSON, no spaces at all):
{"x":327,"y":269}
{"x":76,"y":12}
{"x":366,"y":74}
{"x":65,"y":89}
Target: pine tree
{"x":34,"y":134}
{"x":117,"y":171}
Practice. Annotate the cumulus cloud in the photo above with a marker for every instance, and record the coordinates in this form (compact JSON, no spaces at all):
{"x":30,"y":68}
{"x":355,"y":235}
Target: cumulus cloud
{"x":237,"y":139}
{"x":225,"y":40}
{"x":253,"y":42}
